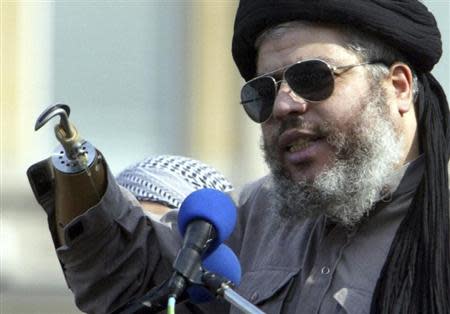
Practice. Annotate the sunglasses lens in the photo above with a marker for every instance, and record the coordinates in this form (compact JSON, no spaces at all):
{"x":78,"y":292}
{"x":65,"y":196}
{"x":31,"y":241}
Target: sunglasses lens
{"x":257,"y":97}
{"x":311,"y":80}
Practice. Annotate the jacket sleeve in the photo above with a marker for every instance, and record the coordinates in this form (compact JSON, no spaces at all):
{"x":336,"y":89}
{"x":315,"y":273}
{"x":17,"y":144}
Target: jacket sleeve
{"x":112,"y":253}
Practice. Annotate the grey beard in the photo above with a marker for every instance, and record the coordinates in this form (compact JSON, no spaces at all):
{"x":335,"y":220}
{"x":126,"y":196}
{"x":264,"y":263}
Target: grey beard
{"x":367,"y":153}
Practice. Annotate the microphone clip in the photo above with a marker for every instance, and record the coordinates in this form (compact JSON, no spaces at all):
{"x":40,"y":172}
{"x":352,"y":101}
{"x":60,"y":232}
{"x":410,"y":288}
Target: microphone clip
{"x":187,"y":264}
{"x":215,"y":283}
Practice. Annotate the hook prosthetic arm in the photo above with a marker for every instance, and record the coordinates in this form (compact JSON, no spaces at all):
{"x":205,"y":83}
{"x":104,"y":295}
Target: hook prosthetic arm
{"x":75,"y":174}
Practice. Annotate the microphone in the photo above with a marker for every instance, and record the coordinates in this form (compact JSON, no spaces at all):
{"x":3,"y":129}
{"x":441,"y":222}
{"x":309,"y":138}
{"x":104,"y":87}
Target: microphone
{"x":206,"y":218}
{"x":221,"y":262}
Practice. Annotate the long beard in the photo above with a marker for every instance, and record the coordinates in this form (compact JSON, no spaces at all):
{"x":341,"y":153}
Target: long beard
{"x":367,"y":152}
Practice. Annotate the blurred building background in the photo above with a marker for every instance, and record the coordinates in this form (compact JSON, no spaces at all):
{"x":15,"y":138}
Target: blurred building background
{"x":142,"y":78}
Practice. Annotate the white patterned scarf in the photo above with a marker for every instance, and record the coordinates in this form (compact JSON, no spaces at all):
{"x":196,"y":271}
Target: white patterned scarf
{"x":168,"y":179}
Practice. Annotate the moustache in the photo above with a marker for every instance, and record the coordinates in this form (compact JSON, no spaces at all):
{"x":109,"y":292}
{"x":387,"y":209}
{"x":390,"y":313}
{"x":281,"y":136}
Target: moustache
{"x":320,"y":129}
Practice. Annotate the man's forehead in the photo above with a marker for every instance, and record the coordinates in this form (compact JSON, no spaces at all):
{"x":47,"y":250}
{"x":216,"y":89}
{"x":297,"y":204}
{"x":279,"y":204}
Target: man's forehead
{"x":299,"y":31}
{"x":298,"y":42}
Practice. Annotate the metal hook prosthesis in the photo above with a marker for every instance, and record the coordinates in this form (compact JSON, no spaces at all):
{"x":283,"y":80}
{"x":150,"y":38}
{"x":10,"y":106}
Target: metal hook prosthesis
{"x":75,"y":154}
{"x":56,"y":110}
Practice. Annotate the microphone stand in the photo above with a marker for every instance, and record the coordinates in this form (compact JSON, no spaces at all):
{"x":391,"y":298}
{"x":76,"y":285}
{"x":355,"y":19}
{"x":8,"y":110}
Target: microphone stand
{"x":223,"y":287}
{"x":234,"y":298}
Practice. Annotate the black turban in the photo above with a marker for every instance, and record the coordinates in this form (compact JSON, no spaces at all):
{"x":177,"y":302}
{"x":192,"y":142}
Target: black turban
{"x":404,"y":24}
{"x":415,"y":277}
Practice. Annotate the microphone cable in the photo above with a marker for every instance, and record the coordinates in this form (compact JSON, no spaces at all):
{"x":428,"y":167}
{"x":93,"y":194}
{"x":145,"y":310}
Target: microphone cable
{"x":171,"y":305}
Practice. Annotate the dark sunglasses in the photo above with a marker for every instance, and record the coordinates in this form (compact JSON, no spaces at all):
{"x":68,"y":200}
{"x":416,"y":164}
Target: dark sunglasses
{"x":312,"y":80}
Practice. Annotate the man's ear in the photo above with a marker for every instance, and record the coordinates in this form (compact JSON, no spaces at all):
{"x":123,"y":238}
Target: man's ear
{"x":400,"y":80}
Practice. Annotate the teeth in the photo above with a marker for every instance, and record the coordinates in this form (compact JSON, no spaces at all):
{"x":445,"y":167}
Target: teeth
{"x":299,"y":145}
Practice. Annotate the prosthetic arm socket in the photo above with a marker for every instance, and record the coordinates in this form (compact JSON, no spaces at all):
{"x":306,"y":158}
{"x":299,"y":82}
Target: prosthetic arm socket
{"x":75,"y":193}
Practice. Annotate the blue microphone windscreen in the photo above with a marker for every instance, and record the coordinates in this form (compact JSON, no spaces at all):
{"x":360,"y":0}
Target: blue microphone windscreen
{"x":223,"y":262}
{"x":210,"y":205}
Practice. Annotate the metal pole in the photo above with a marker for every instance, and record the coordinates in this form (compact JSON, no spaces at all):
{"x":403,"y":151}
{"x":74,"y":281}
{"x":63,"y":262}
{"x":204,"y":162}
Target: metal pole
{"x":245,"y":306}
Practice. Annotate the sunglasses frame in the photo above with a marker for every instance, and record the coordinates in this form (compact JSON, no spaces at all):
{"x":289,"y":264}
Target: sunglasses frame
{"x":334,"y":70}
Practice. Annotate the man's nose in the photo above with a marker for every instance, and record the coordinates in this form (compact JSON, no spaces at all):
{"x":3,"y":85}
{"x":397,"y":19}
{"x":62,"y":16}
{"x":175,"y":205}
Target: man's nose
{"x":288,"y":103}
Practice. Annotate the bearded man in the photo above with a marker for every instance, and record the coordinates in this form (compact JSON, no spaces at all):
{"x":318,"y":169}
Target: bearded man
{"x":355,"y":132}
{"x":354,"y":216}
